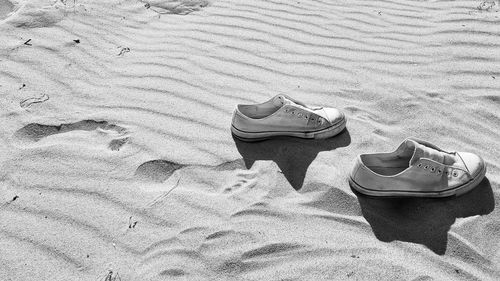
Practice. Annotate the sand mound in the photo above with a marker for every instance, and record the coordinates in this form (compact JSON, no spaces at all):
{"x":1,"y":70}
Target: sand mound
{"x":6,"y":7}
{"x":182,"y":7}
{"x":37,"y":13}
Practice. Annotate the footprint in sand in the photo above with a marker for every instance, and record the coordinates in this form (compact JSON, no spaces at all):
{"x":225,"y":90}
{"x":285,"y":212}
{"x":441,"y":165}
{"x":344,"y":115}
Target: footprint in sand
{"x":179,"y":7}
{"x":157,"y":170}
{"x":243,"y":180}
{"x":230,"y":178}
{"x":116,"y":144}
{"x":35,"y":132}
{"x":160,"y":170}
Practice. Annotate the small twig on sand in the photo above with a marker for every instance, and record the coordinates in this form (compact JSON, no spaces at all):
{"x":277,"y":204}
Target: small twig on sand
{"x":28,"y":42}
{"x":486,"y":5}
{"x":112,"y":276}
{"x":123,"y":51}
{"x":28,"y":102}
{"x":11,"y":200}
{"x":163,"y":196}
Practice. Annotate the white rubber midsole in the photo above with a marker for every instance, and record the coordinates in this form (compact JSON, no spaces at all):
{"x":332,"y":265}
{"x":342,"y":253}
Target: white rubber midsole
{"x":322,"y":134}
{"x":450,"y":192}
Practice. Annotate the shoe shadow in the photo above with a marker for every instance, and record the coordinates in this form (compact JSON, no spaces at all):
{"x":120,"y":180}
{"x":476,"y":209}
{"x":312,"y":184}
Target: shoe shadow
{"x":292,"y":155}
{"x":425,"y":221}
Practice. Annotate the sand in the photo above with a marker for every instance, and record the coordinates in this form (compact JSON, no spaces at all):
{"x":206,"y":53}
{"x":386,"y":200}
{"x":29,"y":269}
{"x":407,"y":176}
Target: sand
{"x":117,"y":162}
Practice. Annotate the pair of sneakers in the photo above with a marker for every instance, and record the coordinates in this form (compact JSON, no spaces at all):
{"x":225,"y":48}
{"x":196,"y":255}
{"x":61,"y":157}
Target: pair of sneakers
{"x":415,"y":168}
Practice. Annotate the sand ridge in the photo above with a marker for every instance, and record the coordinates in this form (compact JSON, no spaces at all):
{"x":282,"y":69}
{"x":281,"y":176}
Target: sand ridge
{"x":116,"y":157}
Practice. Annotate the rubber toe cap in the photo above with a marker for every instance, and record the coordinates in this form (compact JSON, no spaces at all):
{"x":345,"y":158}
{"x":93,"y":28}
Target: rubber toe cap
{"x":474,"y":163}
{"x":334,"y":115}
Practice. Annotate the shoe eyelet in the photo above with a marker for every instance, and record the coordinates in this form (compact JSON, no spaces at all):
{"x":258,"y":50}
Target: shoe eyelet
{"x":419,"y":165}
{"x":433,"y":169}
{"x":439,"y":171}
{"x":455,"y":174}
{"x":426,"y":166}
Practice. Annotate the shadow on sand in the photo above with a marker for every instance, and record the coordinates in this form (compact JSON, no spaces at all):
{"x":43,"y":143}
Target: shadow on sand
{"x":292,"y":155}
{"x":425,"y":221}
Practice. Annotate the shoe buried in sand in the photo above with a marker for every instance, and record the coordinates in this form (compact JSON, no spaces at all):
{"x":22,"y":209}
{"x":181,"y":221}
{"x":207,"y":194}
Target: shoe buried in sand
{"x":284,"y":116}
{"x":417,"y":168}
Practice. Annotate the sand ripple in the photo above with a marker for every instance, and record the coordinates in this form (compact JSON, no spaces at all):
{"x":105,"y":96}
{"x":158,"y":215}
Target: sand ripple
{"x":130,"y":167}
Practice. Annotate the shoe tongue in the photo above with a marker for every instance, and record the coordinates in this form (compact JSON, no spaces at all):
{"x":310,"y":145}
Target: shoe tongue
{"x":281,"y":100}
{"x":422,"y":151}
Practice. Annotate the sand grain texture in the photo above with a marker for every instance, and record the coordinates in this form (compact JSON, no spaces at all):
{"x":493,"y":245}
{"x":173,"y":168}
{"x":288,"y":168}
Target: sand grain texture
{"x":116,"y":157}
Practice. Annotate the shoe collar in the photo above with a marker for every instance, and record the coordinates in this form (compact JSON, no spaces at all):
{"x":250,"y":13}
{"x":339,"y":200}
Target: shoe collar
{"x":282,"y":99}
{"x":423,"y":150}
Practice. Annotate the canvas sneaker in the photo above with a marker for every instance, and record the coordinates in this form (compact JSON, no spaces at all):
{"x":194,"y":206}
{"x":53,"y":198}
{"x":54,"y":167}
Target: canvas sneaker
{"x":284,"y":116}
{"x":417,"y":168}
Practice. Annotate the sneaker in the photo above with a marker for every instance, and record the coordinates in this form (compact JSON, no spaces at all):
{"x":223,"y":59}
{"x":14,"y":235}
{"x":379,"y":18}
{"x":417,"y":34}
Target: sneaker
{"x":417,"y":168}
{"x":284,"y":116}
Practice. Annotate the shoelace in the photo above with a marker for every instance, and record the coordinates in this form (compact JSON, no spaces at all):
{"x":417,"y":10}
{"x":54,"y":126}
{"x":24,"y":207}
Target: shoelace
{"x":319,"y":121}
{"x":444,"y":166}
{"x":437,"y":170}
{"x":304,"y":107}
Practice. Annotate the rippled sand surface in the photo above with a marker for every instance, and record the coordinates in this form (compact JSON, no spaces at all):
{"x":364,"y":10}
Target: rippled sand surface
{"x":116,"y":158}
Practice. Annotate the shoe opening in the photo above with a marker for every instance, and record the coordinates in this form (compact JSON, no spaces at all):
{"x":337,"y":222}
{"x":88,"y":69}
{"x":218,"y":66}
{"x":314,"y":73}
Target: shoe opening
{"x":392,"y":163}
{"x":259,"y":111}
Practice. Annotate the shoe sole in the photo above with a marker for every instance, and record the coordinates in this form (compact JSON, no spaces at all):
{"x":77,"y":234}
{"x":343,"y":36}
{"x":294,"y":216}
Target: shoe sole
{"x":457,"y":191}
{"x":258,"y":136}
